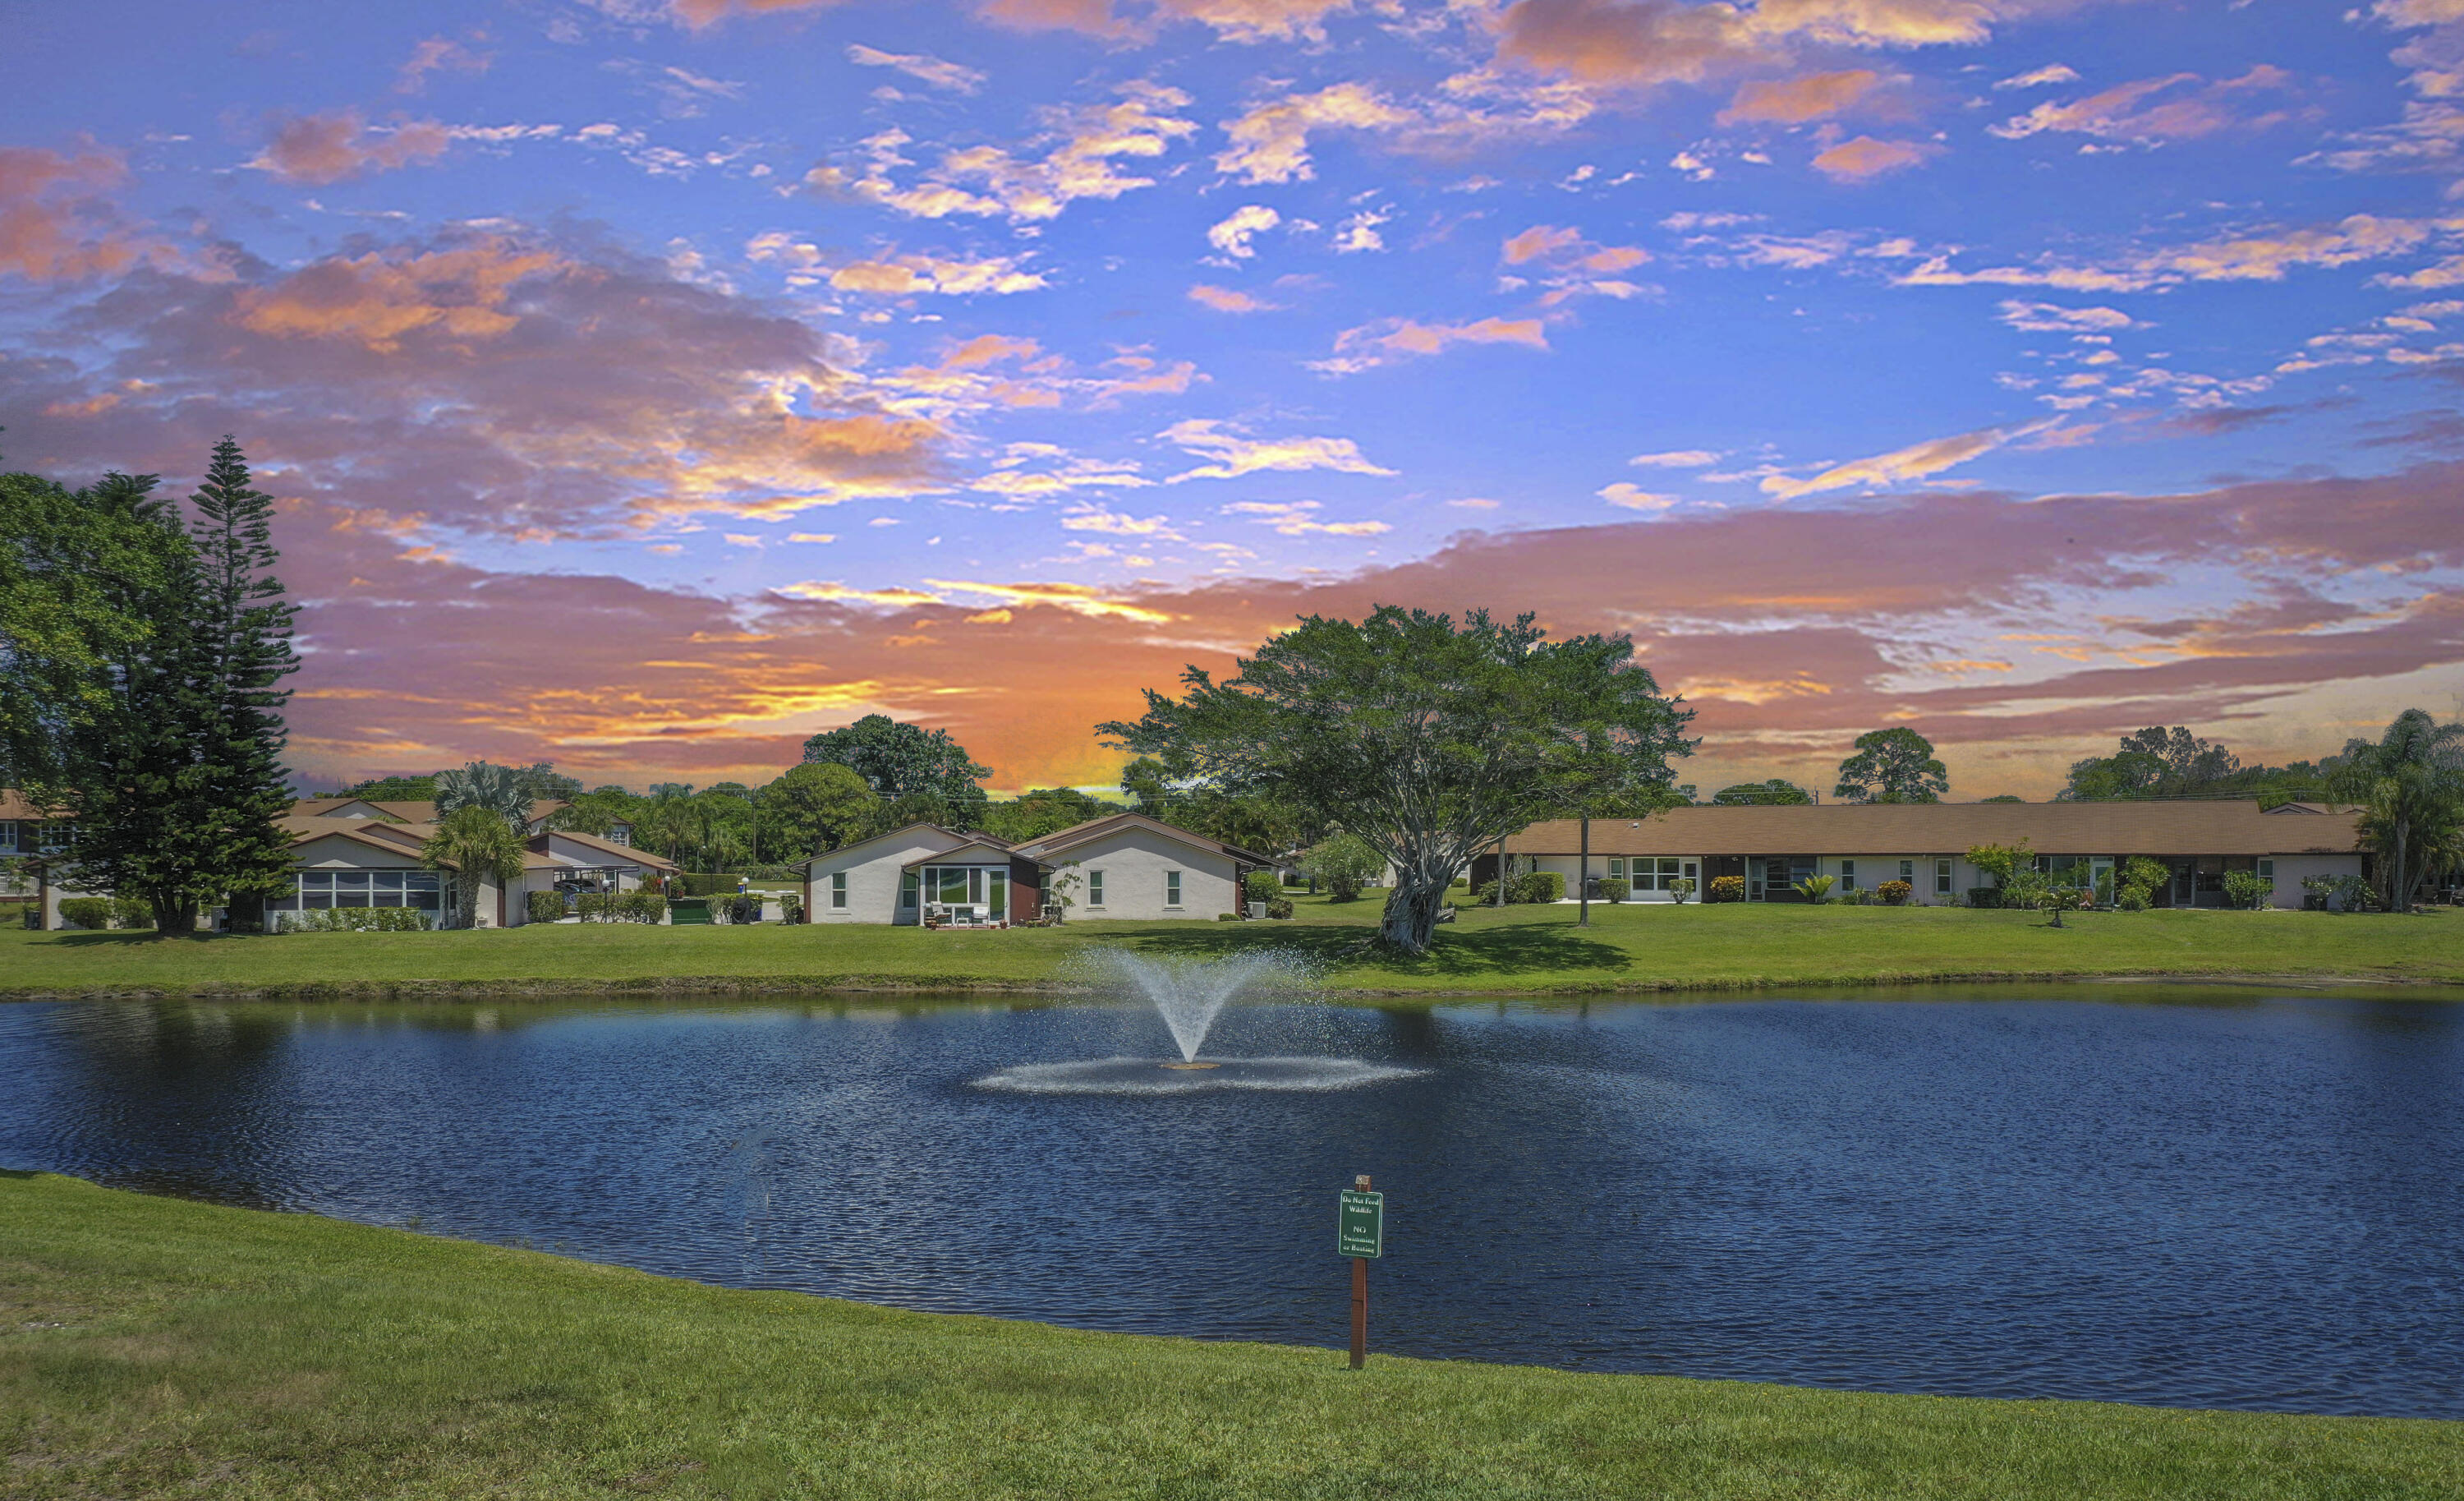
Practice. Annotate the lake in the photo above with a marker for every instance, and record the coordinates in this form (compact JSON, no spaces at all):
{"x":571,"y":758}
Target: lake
{"x":2172,"y":1194}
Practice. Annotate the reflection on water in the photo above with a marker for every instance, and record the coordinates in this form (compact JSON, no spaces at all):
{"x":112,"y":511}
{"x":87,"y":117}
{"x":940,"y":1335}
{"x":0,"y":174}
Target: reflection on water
{"x":2192,"y":1197}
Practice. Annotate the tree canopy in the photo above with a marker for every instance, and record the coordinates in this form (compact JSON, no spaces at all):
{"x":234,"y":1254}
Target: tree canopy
{"x":900,"y":760}
{"x":813,"y":807}
{"x":1427,"y":739}
{"x":1774,"y":793}
{"x":1893,"y":766}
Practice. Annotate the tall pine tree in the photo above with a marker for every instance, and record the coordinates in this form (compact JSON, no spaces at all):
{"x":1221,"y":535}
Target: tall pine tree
{"x":180,"y":788}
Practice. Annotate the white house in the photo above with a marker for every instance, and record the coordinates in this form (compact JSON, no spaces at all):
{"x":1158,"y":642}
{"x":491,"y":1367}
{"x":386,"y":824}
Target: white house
{"x":1863,"y":845}
{"x":1123,"y":865}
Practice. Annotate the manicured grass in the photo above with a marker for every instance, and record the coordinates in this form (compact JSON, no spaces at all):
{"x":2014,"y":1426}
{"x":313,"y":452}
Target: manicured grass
{"x":157,"y":1348}
{"x":1525,"y":950}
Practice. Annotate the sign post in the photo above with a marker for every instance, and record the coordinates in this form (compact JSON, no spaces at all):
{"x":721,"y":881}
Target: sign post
{"x":1360,"y":1233}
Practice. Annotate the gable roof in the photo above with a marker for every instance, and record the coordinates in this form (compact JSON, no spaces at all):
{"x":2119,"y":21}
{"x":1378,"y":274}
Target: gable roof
{"x":986,"y":844}
{"x":407,"y":810}
{"x":2152,"y":827}
{"x":1078,"y":835}
{"x":633,"y":854}
{"x":14,"y":806}
{"x":954,"y":837}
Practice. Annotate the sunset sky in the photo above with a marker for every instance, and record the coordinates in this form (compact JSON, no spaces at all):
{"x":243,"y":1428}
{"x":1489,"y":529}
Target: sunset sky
{"x":651,"y":384}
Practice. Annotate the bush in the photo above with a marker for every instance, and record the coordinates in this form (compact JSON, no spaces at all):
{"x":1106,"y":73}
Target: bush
{"x":1814,"y":887}
{"x":1485,"y":895}
{"x":2247,"y":888}
{"x":1726,"y":888}
{"x":87,"y":912}
{"x":1894,"y":893}
{"x":2338,"y":892}
{"x":1227,"y":917}
{"x":708,"y":884}
{"x":130,"y":912}
{"x":1280,"y":907}
{"x":1985,"y":897}
{"x":1614,"y":890}
{"x":791,"y":906}
{"x":594,"y":906}
{"x":1681,"y":888}
{"x":356,"y":919}
{"x":1460,"y":880}
{"x":1343,"y":865}
{"x":544,"y":906}
{"x":2133,"y":898}
{"x":1262,"y":886}
{"x":1538,"y":886}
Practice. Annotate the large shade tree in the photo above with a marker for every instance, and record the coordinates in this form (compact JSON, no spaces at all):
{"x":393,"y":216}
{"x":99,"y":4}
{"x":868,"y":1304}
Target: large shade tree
{"x":907,"y":763}
{"x":1893,"y":766}
{"x":813,"y":807}
{"x":1776,"y":792}
{"x":1428,"y":740}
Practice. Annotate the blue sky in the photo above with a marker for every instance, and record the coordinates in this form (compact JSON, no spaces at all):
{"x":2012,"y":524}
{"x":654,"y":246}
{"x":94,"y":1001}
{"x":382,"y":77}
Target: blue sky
{"x":649,"y":383}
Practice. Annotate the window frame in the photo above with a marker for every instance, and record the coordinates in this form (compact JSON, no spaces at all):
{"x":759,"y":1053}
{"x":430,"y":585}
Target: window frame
{"x":1094,"y":889}
{"x":1172,"y":889}
{"x":1942,"y":876}
{"x":1847,"y":875}
{"x":838,"y":890}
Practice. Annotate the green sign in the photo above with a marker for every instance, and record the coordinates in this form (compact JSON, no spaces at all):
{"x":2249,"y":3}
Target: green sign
{"x":1360,"y":1224}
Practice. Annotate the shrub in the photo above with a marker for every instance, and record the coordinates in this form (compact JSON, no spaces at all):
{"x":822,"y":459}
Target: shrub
{"x":1460,"y":880}
{"x":1894,"y":893}
{"x":87,"y":912}
{"x":593,"y":907}
{"x":129,"y":912}
{"x":1726,"y":887}
{"x":2247,"y":888}
{"x":1614,"y":890}
{"x":2133,"y":898}
{"x":544,"y":906}
{"x":1538,"y":886}
{"x":1227,"y":917}
{"x":1280,"y":907}
{"x":643,"y":905}
{"x":2340,"y":893}
{"x":356,"y":919}
{"x":1814,"y":887}
{"x":1261,"y":886}
{"x":708,"y":884}
{"x":1985,"y":897}
{"x":1343,"y":865}
{"x":1485,"y":895}
{"x":1681,"y":888}
{"x":791,"y":906}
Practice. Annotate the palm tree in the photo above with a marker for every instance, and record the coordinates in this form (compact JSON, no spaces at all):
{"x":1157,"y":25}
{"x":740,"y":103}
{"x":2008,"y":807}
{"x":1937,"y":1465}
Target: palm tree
{"x":476,"y":844}
{"x":499,"y":789}
{"x":2410,"y":788}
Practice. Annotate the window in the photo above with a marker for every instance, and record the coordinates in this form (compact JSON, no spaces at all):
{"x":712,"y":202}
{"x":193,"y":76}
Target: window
{"x":317,"y":890}
{"x":996,"y":894}
{"x":621,"y":834}
{"x":1847,"y":875}
{"x":1656,"y":874}
{"x":1617,"y":870}
{"x":907,"y":885}
{"x":1094,"y":887}
{"x":8,"y":838}
{"x":838,"y":889}
{"x":1908,"y":872}
{"x":2267,"y":871}
{"x":1942,"y":877}
{"x":1172,"y":888}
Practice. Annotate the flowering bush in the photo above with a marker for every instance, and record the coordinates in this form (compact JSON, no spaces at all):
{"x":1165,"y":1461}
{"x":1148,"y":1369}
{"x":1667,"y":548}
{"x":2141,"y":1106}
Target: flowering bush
{"x":1726,"y":887}
{"x":1894,"y":893}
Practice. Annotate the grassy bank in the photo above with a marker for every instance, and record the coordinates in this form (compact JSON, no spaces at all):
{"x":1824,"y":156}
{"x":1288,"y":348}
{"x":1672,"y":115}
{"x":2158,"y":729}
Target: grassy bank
{"x":1529,"y":950}
{"x":156,"y":1348}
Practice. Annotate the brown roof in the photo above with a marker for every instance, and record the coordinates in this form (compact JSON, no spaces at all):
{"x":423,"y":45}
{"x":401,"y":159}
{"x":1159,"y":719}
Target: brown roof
{"x":1063,"y":840}
{"x":14,"y":806}
{"x":630,"y":852}
{"x":409,"y":810}
{"x":2115,"y":829}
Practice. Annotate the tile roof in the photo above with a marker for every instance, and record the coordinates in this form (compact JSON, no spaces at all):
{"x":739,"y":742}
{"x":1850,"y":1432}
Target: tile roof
{"x":2152,"y":827}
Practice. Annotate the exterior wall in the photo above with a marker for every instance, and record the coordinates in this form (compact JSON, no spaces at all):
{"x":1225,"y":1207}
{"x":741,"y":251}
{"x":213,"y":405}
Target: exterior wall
{"x":1133,"y":862}
{"x":872,"y":870}
{"x":2291,"y":870}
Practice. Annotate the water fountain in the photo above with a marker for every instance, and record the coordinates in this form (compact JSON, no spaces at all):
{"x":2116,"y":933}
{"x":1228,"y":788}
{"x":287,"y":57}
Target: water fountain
{"x":1189,"y":995}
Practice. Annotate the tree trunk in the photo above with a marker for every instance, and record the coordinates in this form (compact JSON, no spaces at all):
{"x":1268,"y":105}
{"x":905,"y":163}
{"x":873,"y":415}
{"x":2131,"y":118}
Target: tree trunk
{"x":1410,"y":923}
{"x":1583,"y":879}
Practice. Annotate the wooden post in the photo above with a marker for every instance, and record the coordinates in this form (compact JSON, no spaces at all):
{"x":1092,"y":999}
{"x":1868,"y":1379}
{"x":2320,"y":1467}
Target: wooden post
{"x":1360,"y":1296}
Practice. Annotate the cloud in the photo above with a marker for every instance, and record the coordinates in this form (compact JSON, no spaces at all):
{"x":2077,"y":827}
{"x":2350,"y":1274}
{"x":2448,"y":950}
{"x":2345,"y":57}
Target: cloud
{"x":1232,"y":20}
{"x":1677,"y":458}
{"x":377,"y":301}
{"x":2044,"y":317}
{"x":1618,"y":44}
{"x":2134,"y":112}
{"x":1792,"y":101}
{"x":2046,"y":77}
{"x":2448,"y":272}
{"x":908,"y":276}
{"x":1075,"y":599}
{"x":1898,"y":466}
{"x":700,"y":14}
{"x":1378,"y":343}
{"x":2256,"y":255}
{"x":1232,"y":235}
{"x":1358,"y":234}
{"x":55,"y":224}
{"x":431,"y":55}
{"x":1119,"y":523}
{"x":1865,"y":158}
{"x":1082,"y":149}
{"x":1634,"y":497}
{"x":1271,"y":141}
{"x":1298,"y":519}
{"x":317,"y":149}
{"x":1224,"y":299}
{"x":1235,"y":455}
{"x":920,"y":66}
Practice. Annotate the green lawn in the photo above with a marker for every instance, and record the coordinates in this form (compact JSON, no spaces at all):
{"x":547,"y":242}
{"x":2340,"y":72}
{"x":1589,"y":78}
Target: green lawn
{"x":158,"y":1348}
{"x":1523,"y":950}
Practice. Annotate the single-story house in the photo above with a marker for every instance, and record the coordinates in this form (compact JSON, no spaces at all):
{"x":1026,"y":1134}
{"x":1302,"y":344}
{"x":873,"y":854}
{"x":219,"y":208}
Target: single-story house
{"x":1122,"y":865}
{"x":366,"y":854}
{"x":1863,"y":845}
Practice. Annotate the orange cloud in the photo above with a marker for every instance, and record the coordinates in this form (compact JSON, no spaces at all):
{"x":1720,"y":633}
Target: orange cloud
{"x":333,"y":147}
{"x":1233,"y":20}
{"x":2126,"y":112}
{"x":1865,"y":158}
{"x":1224,"y":299}
{"x":700,"y":14}
{"x":1792,"y":101}
{"x":376,"y":300}
{"x":1270,"y":143}
{"x":1615,"y":43}
{"x":1378,"y":343}
{"x":1900,"y":466}
{"x":45,"y":232}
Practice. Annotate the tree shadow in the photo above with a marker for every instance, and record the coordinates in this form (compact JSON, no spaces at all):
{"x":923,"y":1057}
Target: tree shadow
{"x":1505,"y":949}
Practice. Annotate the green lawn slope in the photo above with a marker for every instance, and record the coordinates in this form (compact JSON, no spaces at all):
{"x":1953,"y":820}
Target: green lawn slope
{"x":157,"y":1348}
{"x":1513,"y":950}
